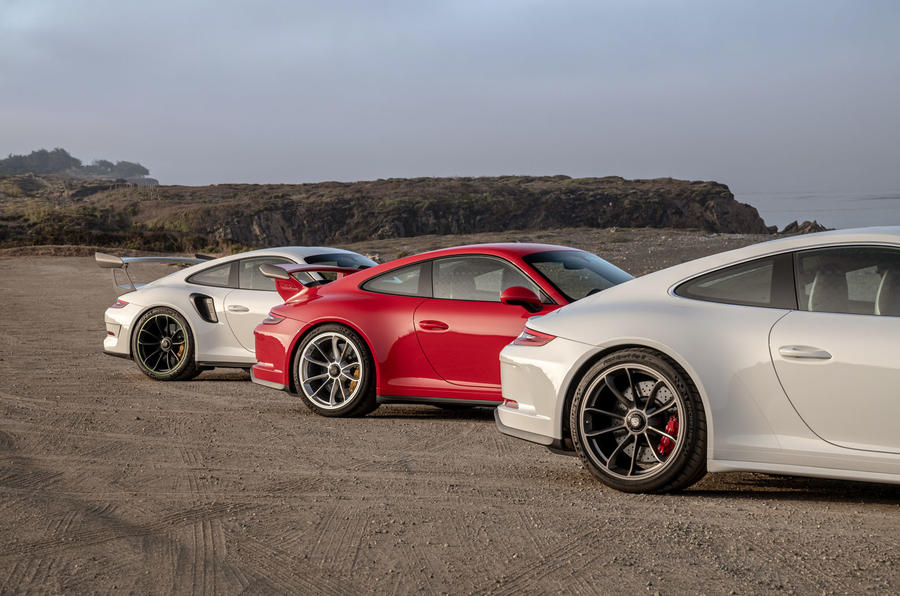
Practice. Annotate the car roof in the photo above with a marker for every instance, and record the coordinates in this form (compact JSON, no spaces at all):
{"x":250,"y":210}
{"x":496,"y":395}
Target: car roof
{"x":873,"y":235}
{"x":293,"y":253}
{"x":500,"y":249}
{"x":296,"y":252}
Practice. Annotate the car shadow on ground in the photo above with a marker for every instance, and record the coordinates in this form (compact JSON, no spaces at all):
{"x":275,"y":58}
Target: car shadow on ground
{"x":793,"y":488}
{"x":223,"y":375}
{"x":429,"y":412}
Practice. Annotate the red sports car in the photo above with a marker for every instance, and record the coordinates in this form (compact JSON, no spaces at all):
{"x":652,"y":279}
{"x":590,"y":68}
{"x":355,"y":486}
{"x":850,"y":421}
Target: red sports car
{"x":426,"y":329}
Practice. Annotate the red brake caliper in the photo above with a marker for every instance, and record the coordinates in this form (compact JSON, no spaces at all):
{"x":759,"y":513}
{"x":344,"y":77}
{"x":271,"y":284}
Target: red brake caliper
{"x":666,"y":444}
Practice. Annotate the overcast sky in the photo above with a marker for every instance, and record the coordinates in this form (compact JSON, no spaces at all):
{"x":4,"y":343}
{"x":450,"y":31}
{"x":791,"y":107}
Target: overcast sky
{"x":764,"y":96}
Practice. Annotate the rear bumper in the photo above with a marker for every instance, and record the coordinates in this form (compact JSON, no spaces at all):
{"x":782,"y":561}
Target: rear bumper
{"x":118,"y":329}
{"x":256,"y":371}
{"x":535,"y":378}
{"x":273,"y":353}
{"x":520,"y":434}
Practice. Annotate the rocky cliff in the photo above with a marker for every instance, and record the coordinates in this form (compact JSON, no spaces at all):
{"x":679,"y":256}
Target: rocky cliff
{"x":37,"y":210}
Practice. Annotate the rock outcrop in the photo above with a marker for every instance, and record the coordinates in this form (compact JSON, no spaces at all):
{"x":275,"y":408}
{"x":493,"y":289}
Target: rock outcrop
{"x":246,"y":215}
{"x":807,"y":227}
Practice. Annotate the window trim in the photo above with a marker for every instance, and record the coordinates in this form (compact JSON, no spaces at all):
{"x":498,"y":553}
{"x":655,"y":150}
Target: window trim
{"x":784,"y":287}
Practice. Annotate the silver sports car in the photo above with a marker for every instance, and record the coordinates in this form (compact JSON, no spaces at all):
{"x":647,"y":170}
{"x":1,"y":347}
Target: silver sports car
{"x":782,"y":357}
{"x":203,"y":316}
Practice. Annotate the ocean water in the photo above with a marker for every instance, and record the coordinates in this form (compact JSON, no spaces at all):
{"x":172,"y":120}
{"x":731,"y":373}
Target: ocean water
{"x":833,"y":210}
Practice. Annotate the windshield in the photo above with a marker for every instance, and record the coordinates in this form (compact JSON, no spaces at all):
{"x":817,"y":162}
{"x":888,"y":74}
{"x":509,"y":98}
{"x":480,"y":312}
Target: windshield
{"x":576,"y":273}
{"x":337,"y":259}
{"x":341,"y":259}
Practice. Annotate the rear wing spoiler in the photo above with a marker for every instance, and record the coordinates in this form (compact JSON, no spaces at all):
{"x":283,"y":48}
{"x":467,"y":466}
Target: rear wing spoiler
{"x":113,"y":262}
{"x":287,"y":283}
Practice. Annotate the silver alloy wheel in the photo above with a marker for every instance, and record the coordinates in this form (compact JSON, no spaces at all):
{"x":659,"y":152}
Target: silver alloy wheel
{"x":161,"y":343}
{"x":626,"y":422}
{"x":330,"y":370}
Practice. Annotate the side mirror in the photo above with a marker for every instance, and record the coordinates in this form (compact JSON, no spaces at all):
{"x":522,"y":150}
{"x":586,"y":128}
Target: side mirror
{"x":517,"y":295}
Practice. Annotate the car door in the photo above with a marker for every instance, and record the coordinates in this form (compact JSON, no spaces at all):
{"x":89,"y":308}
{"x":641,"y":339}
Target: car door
{"x":249,"y":304}
{"x":464,"y":326}
{"x":208,"y":290}
{"x":838,"y":356}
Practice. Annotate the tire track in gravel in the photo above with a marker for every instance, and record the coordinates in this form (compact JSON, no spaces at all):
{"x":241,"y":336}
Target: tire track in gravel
{"x":191,"y":390}
{"x":63,"y":405}
{"x":415,"y":450}
{"x":116,"y":528}
{"x":60,"y":524}
{"x":775,"y":557}
{"x":7,"y":441}
{"x":272,"y":564}
{"x":345,"y":536}
{"x":33,"y":428}
{"x":424,"y":566}
{"x":559,"y":557}
{"x":16,"y":478}
{"x":207,"y":534}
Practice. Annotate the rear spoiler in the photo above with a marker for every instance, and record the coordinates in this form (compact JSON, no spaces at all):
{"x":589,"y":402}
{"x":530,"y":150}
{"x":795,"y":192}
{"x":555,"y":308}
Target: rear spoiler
{"x":113,"y":262}
{"x":287,"y":283}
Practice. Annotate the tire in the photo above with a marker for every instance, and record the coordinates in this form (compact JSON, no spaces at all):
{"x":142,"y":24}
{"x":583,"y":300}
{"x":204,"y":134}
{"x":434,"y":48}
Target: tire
{"x":334,"y":372}
{"x":162,"y":345}
{"x":654,"y":444}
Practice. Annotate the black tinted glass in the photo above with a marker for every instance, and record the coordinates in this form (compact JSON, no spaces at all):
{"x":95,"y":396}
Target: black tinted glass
{"x":853,"y":280}
{"x":477,"y":278}
{"x":763,"y":282}
{"x":219,"y":276}
{"x":576,"y":273}
{"x":341,"y":259}
{"x":250,"y":277}
{"x":403,"y":281}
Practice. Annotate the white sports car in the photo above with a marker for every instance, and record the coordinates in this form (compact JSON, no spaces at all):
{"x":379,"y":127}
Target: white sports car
{"x":203,"y":316}
{"x":782,"y":357}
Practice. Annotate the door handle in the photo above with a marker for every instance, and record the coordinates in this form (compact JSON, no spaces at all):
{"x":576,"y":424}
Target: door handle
{"x":804,"y":352}
{"x":428,"y":325}
{"x":238,"y":308}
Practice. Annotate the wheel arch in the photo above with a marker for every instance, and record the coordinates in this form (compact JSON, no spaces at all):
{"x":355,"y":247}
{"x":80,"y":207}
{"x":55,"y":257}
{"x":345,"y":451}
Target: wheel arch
{"x":180,"y":311}
{"x":665,"y":351}
{"x":298,"y":339}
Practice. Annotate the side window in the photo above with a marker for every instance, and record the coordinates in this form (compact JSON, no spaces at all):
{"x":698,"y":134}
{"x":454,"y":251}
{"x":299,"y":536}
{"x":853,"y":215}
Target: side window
{"x":853,"y":280}
{"x":476,"y":278}
{"x":765,"y":282}
{"x":405,"y":281}
{"x":219,"y":276}
{"x":249,"y":276}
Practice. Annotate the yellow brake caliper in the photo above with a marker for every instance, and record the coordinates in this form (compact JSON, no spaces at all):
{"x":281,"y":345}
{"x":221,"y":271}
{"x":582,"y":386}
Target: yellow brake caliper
{"x":353,"y":384}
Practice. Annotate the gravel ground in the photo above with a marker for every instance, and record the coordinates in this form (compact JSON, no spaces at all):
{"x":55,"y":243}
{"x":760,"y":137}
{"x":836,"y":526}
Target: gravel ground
{"x":113,"y":482}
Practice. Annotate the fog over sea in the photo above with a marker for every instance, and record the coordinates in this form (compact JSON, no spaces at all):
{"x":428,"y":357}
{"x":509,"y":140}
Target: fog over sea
{"x":831,"y":209}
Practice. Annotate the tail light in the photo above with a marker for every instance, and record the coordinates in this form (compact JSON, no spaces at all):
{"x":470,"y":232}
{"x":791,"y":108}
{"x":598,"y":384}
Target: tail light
{"x":530,"y":337}
{"x":119,"y":304}
{"x":272,"y":319}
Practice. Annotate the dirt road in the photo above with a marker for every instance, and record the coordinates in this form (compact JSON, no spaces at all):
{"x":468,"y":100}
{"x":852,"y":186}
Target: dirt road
{"x":110,"y":481}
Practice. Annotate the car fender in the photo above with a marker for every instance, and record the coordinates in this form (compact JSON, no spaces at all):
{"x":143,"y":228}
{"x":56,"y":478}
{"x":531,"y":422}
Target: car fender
{"x":180,"y":309}
{"x":609,"y":346}
{"x":734,"y":375}
{"x":329,"y":320}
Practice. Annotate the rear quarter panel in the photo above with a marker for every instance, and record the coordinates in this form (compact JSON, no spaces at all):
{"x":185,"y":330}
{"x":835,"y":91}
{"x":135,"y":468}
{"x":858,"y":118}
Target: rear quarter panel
{"x":723,"y":348}
{"x":385,"y":322}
